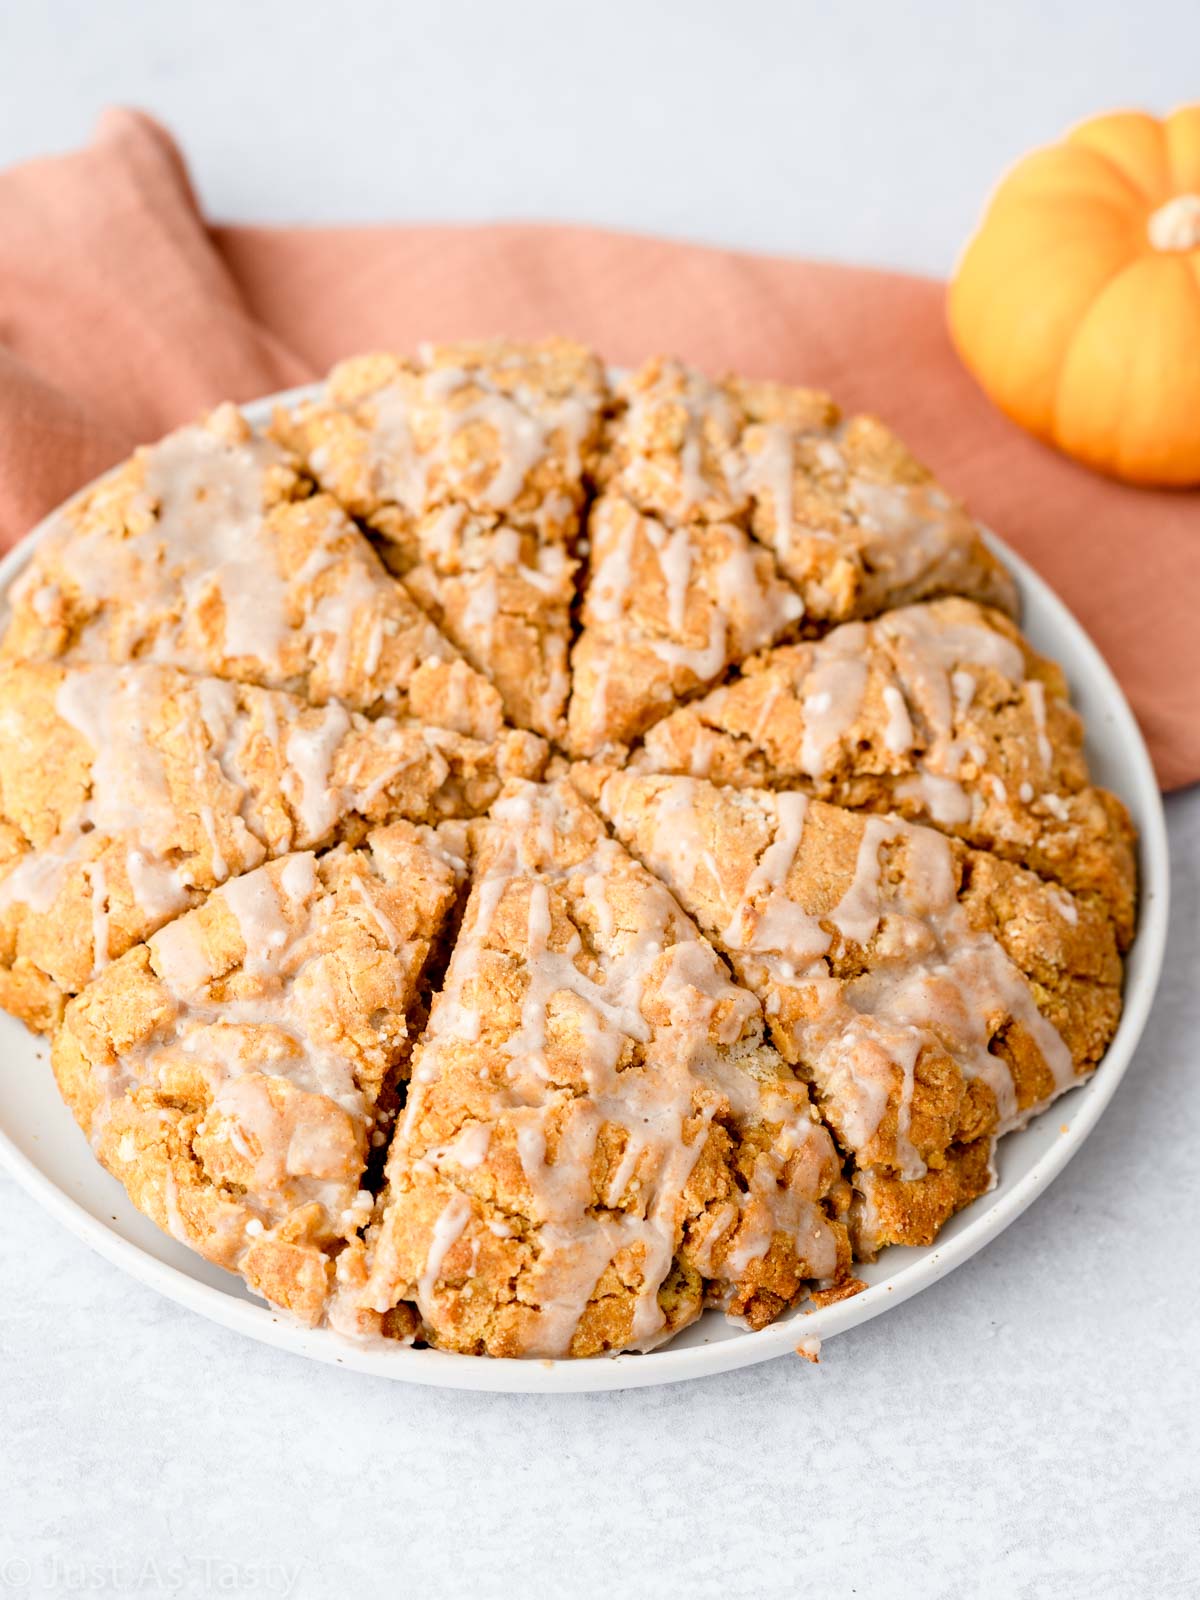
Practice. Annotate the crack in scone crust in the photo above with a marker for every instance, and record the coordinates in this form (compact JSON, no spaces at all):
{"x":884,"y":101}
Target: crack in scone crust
{"x":510,"y":860}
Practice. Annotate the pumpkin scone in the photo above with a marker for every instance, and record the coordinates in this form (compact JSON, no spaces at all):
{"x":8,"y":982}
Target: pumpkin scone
{"x":206,"y":552}
{"x":666,"y":610}
{"x":855,"y":522}
{"x":597,"y":1141}
{"x":941,"y":712}
{"x":126,"y":793}
{"x":231,"y":1071}
{"x":472,"y":462}
{"x":934,"y":997}
{"x":509,"y":862}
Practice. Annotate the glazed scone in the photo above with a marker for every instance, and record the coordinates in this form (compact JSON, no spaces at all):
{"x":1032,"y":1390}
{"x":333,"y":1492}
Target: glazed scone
{"x":472,"y":462}
{"x":859,"y":525}
{"x":597,"y":1140}
{"x":230,"y":1071}
{"x":941,"y":712}
{"x":672,"y":446}
{"x":934,"y":997}
{"x":126,"y":793}
{"x":509,"y":863}
{"x":203,"y":552}
{"x":666,"y":610}
{"x":504,"y":599}
{"x":506,"y":430}
{"x":855,"y":522}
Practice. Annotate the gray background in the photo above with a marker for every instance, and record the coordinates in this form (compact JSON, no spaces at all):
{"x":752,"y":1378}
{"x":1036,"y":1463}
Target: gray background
{"x":1030,"y":1426}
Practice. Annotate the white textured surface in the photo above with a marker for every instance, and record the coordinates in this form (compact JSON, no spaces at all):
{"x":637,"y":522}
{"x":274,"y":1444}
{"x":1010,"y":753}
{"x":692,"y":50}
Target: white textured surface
{"x":867,"y":131}
{"x":1031,"y":1426}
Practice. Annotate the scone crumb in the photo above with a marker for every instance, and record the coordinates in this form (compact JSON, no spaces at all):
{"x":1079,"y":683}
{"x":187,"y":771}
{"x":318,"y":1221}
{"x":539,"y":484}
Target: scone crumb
{"x":839,"y":1291}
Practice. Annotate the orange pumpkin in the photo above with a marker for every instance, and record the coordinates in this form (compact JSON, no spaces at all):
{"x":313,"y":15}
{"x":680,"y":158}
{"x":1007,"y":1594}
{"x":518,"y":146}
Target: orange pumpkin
{"x":1077,"y":302}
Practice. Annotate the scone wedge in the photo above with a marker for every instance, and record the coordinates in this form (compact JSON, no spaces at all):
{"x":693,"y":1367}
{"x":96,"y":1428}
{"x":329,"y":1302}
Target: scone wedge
{"x":940,"y":712}
{"x":855,"y":522}
{"x":597,"y":1140}
{"x":127,"y":793}
{"x":933,"y":997}
{"x":472,"y":462}
{"x":232,"y":1070}
{"x":667,"y":609}
{"x":207,"y":552}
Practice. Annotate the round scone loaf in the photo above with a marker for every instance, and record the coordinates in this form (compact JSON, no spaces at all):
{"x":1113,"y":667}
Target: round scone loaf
{"x":510,"y":859}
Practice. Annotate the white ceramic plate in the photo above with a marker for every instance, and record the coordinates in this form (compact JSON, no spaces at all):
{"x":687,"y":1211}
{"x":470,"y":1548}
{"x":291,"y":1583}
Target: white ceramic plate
{"x":43,"y":1149}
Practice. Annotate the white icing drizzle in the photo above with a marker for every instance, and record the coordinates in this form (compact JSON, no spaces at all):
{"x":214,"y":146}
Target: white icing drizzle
{"x":284,"y":1102}
{"x":657,"y":1103}
{"x":411,"y":444}
{"x":710,"y":580}
{"x":769,"y":473}
{"x":1035,"y":692}
{"x":675,"y":559}
{"x":963,"y":686}
{"x":309,"y":752}
{"x":697,"y":416}
{"x":198,"y":546}
{"x":898,"y":731}
{"x":833,"y":694}
{"x":936,"y":983}
{"x":447,"y":1230}
{"x":704,"y":661}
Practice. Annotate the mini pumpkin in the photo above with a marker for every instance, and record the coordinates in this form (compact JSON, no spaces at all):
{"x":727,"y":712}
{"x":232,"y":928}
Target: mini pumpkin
{"x":1077,"y":303}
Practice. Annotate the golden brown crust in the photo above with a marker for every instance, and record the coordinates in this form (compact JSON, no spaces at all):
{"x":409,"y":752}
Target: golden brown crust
{"x":504,"y":599}
{"x":726,"y":578}
{"x":472,"y":463}
{"x":666,"y":610}
{"x":596,"y":1139}
{"x":205,"y":552}
{"x":933,"y":996}
{"x":855,"y":522}
{"x":127,"y":793}
{"x":501,"y":428}
{"x":229,"y":1071}
{"x":891,"y":1210}
{"x":941,"y":712}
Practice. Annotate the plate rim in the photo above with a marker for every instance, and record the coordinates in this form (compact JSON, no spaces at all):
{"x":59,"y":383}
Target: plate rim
{"x":673,"y":1363}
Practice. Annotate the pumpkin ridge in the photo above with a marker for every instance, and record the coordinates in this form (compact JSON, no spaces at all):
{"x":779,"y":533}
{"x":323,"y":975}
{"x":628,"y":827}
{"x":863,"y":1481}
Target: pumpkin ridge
{"x":1135,"y":189}
{"x":1025,"y":181}
{"x":1147,"y":198}
{"x":1181,"y":138}
{"x":1100,"y":291}
{"x":1047,"y":429}
{"x":1052,"y":432}
{"x":1108,"y":435}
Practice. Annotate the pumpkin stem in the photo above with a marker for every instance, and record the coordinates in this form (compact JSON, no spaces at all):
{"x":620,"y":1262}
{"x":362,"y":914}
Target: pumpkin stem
{"x":1176,"y":225}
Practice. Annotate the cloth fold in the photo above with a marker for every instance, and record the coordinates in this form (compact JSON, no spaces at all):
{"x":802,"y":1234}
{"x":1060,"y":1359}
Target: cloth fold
{"x":123,"y":314}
